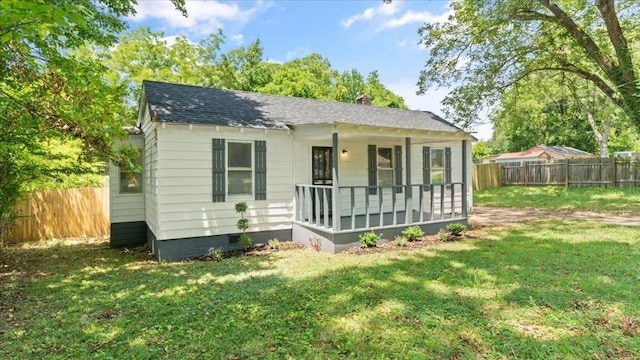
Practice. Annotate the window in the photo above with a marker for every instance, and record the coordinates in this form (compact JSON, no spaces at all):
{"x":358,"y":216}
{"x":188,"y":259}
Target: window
{"x":437,"y":166}
{"x":132,"y":183}
{"x":239,"y":169}
{"x":385,"y":166}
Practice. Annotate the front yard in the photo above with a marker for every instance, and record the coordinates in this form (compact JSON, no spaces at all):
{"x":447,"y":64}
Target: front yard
{"x":601,"y":200}
{"x":545,"y":289}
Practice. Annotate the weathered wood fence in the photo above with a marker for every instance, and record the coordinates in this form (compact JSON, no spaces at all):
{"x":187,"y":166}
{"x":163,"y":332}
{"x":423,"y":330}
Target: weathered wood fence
{"x":598,"y":172}
{"x":486,"y":176}
{"x":62,"y":213}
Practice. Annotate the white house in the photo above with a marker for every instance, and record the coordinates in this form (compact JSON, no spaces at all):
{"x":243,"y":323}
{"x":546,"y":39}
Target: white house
{"x":310,"y":171}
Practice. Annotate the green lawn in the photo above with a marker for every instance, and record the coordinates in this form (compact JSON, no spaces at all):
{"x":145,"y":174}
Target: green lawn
{"x":615,"y":201}
{"x":541,"y":290}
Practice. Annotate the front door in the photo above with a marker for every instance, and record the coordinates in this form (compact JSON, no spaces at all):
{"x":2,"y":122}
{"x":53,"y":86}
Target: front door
{"x":321,"y":158}
{"x":321,"y":174}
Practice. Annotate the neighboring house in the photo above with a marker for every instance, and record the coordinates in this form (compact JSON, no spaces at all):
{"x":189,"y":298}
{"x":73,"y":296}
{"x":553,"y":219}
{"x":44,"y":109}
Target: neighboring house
{"x":317,"y":172}
{"x":544,"y":153}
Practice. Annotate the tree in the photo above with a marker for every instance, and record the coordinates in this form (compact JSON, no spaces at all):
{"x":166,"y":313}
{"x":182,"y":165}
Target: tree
{"x":480,"y":149}
{"x":307,"y":77}
{"x":47,"y":92}
{"x":542,"y":110}
{"x":381,"y":96}
{"x":487,"y":47}
{"x":349,"y":85}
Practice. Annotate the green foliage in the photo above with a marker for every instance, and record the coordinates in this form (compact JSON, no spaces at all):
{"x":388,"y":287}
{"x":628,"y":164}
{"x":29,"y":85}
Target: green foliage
{"x":456,"y":229}
{"x":413,"y":233}
{"x":369,"y":239}
{"x":401,"y":241}
{"x":487,"y":47}
{"x":274,"y":244}
{"x":59,"y":165}
{"x":242,"y":224}
{"x":241,"y":208}
{"x":50,"y":91}
{"x":442,"y":235}
{"x":481,"y":149}
{"x":216,"y":254}
{"x":245,"y":241}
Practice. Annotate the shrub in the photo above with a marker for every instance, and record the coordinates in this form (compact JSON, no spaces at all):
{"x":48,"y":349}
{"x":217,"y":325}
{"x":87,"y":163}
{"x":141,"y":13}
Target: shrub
{"x":413,"y":233}
{"x":369,"y":239}
{"x":273,"y":244}
{"x":442,"y":235}
{"x":401,"y":241}
{"x":215,"y":254}
{"x":243,"y":224}
{"x":456,"y":229}
{"x":245,"y":241}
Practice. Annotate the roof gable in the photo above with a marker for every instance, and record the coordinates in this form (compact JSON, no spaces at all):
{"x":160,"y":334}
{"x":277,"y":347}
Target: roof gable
{"x":199,"y":105}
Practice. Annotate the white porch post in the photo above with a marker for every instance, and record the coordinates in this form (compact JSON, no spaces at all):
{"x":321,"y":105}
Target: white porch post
{"x":408,"y":196}
{"x":335,"y":199}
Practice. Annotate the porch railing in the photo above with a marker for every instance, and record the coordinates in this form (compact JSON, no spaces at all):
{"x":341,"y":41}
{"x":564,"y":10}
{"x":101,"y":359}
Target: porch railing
{"x":365,"y":207}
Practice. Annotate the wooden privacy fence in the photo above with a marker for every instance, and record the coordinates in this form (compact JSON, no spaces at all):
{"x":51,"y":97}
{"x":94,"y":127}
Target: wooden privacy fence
{"x":62,"y":213}
{"x":486,"y":176}
{"x":596,"y":172}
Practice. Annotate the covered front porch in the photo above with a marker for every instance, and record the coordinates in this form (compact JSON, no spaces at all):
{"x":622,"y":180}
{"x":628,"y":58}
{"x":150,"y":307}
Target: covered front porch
{"x":348,"y":197}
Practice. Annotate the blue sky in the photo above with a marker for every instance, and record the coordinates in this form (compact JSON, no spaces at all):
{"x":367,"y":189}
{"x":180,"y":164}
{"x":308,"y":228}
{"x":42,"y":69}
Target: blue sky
{"x":363,"y":34}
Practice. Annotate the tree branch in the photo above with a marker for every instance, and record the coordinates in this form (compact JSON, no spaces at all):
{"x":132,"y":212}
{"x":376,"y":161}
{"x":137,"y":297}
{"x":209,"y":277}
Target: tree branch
{"x":625,"y":63}
{"x":583,"y":39}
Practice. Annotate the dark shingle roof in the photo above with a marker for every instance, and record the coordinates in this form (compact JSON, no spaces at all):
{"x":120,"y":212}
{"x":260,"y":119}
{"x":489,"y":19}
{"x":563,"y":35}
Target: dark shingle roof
{"x":198,"y":105}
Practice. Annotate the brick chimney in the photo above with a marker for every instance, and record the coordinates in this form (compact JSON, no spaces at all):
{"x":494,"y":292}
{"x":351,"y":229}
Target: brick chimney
{"x":363,"y":100}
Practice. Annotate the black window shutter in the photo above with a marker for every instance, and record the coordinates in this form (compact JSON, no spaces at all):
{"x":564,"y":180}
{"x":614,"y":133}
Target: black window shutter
{"x":373,"y":169}
{"x":397,"y":151}
{"x":447,"y":165}
{"x":218,"y":166}
{"x":426,"y":166}
{"x":261,"y":170}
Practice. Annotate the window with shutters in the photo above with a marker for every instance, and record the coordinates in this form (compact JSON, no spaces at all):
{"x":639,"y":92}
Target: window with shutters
{"x":239,"y":168}
{"x":437,"y":166}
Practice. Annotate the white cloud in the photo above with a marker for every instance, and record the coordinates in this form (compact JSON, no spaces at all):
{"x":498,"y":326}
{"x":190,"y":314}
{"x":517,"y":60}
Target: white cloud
{"x":411,"y":16}
{"x":238,"y":38}
{"x":203,"y":16}
{"x":390,"y":16}
{"x":382,"y":10}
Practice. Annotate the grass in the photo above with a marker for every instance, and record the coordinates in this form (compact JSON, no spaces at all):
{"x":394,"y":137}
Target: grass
{"x":547,"y":289}
{"x":603,"y":200}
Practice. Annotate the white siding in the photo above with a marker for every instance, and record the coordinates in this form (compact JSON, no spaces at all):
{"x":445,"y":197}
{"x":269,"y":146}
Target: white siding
{"x":150,"y":172}
{"x":125,"y":207}
{"x":185,"y":205}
